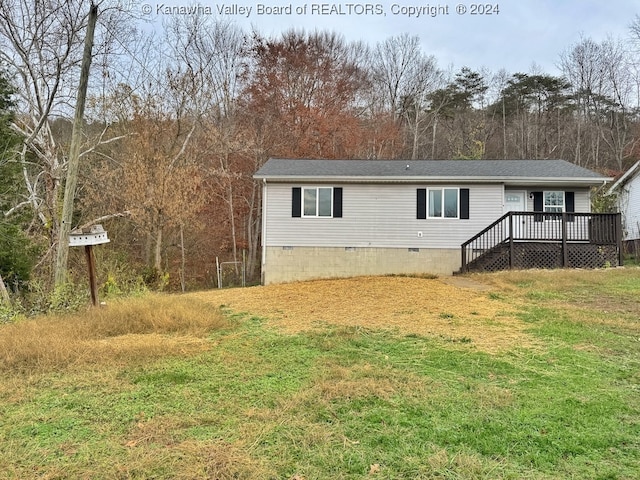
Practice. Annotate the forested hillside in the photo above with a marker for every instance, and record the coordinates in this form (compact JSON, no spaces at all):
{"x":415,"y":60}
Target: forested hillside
{"x":178,"y":121}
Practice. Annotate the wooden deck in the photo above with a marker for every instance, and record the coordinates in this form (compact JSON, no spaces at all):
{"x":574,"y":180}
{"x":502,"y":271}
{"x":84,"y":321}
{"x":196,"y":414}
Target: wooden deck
{"x":520,"y":240}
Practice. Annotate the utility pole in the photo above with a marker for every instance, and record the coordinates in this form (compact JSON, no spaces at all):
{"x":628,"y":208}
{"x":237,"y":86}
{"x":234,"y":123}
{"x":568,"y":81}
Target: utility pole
{"x":74,"y":153}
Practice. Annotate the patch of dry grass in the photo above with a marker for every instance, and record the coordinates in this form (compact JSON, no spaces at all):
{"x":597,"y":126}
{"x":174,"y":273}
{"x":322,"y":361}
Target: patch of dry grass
{"x":431,"y":307}
{"x":151,"y":326}
{"x":365,"y":380}
{"x":152,"y":441}
{"x":442,"y":464}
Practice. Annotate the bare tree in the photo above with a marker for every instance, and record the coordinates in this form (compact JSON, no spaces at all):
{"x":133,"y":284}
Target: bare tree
{"x":214,"y":54}
{"x":602,"y":81}
{"x":406,"y":76}
{"x":41,"y":45}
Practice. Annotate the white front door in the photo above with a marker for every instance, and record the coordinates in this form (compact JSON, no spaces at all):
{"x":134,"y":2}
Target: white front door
{"x":515,"y":201}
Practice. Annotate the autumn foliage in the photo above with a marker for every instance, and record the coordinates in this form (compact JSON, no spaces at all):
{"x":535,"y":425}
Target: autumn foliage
{"x":178,"y":126}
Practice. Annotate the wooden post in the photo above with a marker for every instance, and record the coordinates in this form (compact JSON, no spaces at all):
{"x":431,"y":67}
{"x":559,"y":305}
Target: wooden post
{"x":565,"y":254}
{"x":465,"y":267}
{"x":511,"y":253}
{"x":618,"y":230}
{"x":88,"y":250}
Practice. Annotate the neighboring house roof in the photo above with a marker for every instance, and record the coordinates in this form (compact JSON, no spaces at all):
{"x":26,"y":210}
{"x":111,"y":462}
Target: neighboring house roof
{"x":626,"y":177}
{"x":512,"y":172}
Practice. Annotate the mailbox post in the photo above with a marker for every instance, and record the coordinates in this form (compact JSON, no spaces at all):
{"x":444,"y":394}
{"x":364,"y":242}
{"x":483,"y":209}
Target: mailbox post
{"x":87,"y":238}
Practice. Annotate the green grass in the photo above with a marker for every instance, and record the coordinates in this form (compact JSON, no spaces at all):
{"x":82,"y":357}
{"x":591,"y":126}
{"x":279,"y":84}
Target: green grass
{"x":349,"y":403}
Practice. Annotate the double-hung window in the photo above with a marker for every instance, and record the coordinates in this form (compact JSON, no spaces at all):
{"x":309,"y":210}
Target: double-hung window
{"x":554,"y":201}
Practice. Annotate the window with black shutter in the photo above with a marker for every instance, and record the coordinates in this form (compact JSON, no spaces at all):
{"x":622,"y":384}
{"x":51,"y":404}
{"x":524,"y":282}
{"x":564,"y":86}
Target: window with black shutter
{"x":422,"y":204}
{"x":442,"y":202}
{"x":322,"y":202}
{"x":296,"y":202}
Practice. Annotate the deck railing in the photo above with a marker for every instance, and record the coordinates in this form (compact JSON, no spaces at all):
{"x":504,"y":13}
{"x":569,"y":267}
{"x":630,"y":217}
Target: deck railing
{"x":537,"y":227}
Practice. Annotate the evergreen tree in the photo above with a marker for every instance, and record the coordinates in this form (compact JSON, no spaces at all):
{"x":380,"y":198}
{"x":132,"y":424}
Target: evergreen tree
{"x":17,"y":254}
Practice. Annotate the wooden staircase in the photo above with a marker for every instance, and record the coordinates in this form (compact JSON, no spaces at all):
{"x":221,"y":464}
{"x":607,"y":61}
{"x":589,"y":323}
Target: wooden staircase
{"x":493,"y":260}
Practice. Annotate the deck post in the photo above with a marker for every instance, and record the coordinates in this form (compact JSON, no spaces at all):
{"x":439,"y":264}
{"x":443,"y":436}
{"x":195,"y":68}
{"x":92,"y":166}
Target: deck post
{"x":465,"y":267}
{"x":565,"y":254}
{"x":511,"y":241}
{"x":618,"y":230}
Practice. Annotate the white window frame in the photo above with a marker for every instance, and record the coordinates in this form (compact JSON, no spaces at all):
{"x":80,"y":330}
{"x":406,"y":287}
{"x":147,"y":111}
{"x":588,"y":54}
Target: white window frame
{"x":563,"y":207}
{"x":317,"y":207}
{"x":442,"y":197}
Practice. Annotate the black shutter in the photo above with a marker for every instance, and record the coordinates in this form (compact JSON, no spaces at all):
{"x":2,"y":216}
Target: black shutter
{"x":296,"y":202}
{"x":422,"y":204}
{"x":570,"y":204}
{"x":464,"y":204}
{"x":538,"y":205}
{"x":337,"y":202}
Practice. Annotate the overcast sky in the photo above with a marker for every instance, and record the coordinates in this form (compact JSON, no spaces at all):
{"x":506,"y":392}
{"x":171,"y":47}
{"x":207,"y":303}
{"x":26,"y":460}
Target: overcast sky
{"x":510,"y":34}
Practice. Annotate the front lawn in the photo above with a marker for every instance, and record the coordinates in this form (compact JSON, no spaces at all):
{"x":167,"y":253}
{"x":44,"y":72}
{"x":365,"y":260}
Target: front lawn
{"x":398,"y":378}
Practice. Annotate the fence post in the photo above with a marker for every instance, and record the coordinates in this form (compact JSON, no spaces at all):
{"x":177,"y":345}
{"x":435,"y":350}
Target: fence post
{"x":218,"y":273}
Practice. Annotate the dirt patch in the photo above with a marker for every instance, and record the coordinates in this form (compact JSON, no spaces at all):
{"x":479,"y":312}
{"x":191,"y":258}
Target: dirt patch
{"x":467,"y":316}
{"x":466,"y":282}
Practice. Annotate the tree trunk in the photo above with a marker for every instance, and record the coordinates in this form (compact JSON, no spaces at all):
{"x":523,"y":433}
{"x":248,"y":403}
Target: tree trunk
{"x":182,"y":259}
{"x":504,"y":130}
{"x":157,"y":256}
{"x":4,"y":295}
{"x":232,"y":218}
{"x":433,"y":138}
{"x":254,"y":224}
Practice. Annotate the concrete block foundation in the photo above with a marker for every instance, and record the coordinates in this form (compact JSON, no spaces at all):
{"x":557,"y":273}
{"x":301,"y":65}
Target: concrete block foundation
{"x":291,"y":264}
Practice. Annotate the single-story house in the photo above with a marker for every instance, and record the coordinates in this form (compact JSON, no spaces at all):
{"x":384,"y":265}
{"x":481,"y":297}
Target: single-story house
{"x":341,"y":218}
{"x":627,"y":190}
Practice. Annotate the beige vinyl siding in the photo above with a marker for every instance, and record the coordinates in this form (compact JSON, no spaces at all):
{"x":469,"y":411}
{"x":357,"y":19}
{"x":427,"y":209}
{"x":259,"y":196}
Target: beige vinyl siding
{"x":583,"y":200}
{"x":382,"y":215}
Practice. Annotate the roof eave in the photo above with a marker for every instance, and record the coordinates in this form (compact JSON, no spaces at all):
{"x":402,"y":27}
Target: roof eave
{"x":627,"y":176}
{"x":507,"y":180}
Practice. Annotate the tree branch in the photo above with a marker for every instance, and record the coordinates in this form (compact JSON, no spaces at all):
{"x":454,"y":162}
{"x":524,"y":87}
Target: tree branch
{"x":105,"y":217}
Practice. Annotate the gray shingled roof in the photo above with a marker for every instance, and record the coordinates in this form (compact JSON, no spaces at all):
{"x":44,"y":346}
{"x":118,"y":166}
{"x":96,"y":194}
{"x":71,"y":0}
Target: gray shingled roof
{"x":427,"y":170}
